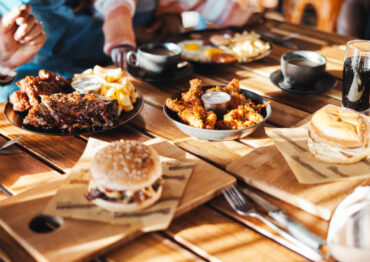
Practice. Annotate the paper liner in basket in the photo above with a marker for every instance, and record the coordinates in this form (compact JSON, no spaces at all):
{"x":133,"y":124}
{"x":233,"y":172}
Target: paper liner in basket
{"x":292,"y":143}
{"x":70,"y":201}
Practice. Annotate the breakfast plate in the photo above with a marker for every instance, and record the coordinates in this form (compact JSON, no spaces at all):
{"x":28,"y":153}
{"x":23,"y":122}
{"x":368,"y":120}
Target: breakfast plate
{"x":16,"y":119}
{"x":224,"y":46}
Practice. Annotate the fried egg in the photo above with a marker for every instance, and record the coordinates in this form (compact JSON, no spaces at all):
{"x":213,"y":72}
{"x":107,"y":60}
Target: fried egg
{"x":191,"y":49}
{"x":210,"y":51}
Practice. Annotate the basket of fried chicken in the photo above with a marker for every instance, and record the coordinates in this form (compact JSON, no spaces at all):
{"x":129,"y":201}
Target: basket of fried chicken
{"x":217,"y":113}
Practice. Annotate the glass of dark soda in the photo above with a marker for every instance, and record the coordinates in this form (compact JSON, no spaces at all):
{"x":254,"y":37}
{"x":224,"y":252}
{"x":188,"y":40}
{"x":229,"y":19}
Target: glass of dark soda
{"x":356,"y":75}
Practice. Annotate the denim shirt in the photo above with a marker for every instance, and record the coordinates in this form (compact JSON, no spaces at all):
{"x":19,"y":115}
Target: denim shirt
{"x":74,"y":40}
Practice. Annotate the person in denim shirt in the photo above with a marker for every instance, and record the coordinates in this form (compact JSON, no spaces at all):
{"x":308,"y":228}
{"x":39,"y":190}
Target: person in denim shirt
{"x":79,"y":34}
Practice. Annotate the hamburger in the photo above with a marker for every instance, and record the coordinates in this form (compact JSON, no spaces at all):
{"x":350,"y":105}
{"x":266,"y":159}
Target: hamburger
{"x":126,"y":177}
{"x":338,"y":135}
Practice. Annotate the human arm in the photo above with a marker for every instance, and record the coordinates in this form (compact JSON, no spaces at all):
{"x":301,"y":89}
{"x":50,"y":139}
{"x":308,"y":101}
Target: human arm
{"x":117,"y":28}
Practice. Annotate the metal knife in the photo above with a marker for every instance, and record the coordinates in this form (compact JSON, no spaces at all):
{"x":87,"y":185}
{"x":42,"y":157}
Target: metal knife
{"x":294,"y":228}
{"x":9,"y":143}
{"x":4,"y":190}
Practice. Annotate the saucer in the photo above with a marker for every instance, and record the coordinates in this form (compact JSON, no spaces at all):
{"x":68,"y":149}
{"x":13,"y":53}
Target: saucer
{"x":183,"y":70}
{"x":324,"y":83}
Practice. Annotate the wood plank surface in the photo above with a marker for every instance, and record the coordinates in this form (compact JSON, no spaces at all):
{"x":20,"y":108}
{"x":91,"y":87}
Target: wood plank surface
{"x":308,"y":31}
{"x":20,"y":171}
{"x":218,"y":238}
{"x":154,"y":248}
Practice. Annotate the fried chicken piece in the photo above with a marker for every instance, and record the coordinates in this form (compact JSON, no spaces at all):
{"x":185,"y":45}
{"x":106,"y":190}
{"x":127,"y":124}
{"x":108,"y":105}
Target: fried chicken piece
{"x":242,"y":117}
{"x":236,"y":100}
{"x":175,"y":104}
{"x":193,"y":115}
{"x":20,"y":101}
{"x":193,"y":95}
{"x":233,"y":86}
{"x":210,"y":120}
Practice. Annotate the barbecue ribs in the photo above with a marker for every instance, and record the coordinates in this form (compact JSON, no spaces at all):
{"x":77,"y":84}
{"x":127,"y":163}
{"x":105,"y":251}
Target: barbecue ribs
{"x":72,"y":112}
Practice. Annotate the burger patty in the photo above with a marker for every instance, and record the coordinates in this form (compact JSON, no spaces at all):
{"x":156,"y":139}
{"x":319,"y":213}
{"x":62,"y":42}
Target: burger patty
{"x":136,"y":196}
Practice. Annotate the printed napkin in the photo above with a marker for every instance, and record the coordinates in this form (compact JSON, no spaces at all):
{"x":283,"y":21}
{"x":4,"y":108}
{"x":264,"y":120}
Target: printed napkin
{"x":70,"y":201}
{"x":292,"y":143}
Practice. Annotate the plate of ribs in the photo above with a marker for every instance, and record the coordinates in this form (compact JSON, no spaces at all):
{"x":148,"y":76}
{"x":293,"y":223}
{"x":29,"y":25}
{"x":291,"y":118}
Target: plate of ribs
{"x":47,"y":104}
{"x":245,"y":111}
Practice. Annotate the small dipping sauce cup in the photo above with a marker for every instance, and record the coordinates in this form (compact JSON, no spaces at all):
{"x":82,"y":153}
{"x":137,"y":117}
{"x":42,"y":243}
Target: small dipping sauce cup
{"x":216,"y":102}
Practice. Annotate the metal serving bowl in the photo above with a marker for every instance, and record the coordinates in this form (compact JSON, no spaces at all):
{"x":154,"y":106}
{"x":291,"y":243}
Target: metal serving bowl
{"x":218,"y":135}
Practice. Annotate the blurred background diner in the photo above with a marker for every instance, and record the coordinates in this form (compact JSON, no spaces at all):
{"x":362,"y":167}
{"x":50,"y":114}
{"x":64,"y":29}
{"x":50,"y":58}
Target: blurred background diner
{"x":67,"y":36}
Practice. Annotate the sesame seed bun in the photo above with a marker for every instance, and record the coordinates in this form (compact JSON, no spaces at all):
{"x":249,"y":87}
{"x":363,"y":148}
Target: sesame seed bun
{"x":126,"y":165}
{"x":338,"y":135}
{"x":118,"y":206}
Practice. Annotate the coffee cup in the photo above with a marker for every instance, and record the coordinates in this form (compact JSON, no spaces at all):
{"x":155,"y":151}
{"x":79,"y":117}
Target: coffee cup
{"x":155,"y":58}
{"x":302,"y":68}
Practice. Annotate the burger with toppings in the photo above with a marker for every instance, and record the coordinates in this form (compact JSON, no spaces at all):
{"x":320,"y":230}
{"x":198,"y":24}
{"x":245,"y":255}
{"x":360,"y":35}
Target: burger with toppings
{"x":126,"y":177}
{"x":338,"y":135}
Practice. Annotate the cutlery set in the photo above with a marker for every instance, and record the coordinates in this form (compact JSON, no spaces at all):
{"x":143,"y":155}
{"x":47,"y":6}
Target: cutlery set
{"x":307,"y":242}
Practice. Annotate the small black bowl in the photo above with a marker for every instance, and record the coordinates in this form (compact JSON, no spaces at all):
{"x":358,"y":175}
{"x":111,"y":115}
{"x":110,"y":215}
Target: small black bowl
{"x":218,"y":135}
{"x":302,"y":68}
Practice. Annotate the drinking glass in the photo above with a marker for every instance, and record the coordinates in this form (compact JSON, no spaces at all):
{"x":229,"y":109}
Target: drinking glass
{"x":356,"y":75}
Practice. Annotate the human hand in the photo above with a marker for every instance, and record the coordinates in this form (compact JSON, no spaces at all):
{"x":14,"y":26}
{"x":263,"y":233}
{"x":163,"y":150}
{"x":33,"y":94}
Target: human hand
{"x":164,"y":26}
{"x":118,"y":55}
{"x":255,"y":19}
{"x":21,"y":37}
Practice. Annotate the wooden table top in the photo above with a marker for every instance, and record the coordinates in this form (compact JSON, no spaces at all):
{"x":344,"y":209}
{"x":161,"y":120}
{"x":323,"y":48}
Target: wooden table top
{"x":212,"y":231}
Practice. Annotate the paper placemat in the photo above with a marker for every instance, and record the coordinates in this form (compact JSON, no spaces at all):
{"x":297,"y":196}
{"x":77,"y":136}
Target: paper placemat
{"x":70,"y":201}
{"x":292,"y":143}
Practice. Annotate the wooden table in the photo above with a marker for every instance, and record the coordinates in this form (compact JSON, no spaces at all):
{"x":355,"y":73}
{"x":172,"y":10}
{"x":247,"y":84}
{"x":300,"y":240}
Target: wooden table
{"x":211,"y":231}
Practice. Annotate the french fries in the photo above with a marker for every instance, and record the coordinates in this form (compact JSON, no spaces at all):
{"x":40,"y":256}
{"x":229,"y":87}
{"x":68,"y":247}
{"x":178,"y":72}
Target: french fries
{"x":248,"y":45}
{"x":114,"y":85}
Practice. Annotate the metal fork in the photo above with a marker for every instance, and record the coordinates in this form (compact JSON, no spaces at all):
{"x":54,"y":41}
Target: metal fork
{"x":243,"y":207}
